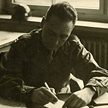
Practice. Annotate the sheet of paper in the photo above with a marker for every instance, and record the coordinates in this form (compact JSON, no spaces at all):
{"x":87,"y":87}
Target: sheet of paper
{"x":105,"y":106}
{"x":58,"y":104}
{"x":102,"y":99}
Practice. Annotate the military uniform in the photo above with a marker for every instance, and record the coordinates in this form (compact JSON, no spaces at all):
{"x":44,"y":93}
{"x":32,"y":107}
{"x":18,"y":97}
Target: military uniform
{"x":28,"y":64}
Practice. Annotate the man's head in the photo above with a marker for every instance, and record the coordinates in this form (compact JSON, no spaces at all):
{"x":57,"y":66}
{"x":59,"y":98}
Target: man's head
{"x":57,"y":25}
{"x":62,"y":10}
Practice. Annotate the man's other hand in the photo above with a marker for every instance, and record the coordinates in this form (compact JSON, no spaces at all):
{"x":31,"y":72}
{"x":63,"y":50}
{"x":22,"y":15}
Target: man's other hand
{"x":79,"y":98}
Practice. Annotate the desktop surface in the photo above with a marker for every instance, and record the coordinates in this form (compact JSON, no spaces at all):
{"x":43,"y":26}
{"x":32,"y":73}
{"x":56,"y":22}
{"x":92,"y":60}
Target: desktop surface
{"x":12,"y":104}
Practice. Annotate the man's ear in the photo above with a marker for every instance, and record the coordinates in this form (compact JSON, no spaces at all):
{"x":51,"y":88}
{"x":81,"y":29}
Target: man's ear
{"x":43,"y":21}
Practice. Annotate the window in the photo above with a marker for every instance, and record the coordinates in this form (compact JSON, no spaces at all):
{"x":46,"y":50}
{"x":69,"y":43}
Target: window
{"x":85,"y":4}
{"x":35,"y":2}
{"x":90,"y":10}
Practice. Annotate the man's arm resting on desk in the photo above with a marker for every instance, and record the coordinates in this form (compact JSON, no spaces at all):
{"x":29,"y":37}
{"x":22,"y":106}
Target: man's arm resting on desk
{"x":79,"y":98}
{"x":91,"y":91}
{"x":99,"y":85}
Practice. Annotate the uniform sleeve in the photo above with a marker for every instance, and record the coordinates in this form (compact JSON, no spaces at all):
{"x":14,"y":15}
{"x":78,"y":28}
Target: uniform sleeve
{"x":87,"y":69}
{"x":12,"y":85}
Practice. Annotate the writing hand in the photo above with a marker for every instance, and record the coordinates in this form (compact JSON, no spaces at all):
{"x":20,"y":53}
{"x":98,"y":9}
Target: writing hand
{"x":79,"y":98}
{"x":42,"y":96}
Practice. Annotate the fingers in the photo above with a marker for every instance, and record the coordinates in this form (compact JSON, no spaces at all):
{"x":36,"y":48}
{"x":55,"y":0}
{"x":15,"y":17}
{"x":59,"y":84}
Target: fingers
{"x":38,"y":97}
{"x":47,"y":98}
{"x":43,"y":99}
{"x":53,"y":90}
{"x":43,"y":95}
{"x":51,"y":95}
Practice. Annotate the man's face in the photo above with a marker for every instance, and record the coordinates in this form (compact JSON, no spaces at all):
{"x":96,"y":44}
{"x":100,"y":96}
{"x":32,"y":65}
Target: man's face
{"x":56,"y":32}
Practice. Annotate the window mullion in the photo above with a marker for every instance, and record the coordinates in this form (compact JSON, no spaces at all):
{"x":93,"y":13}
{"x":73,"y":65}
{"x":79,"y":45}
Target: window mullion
{"x":53,"y":1}
{"x":105,"y":6}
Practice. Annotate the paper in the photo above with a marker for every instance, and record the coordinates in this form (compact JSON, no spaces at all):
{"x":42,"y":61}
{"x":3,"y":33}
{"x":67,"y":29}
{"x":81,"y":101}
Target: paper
{"x":58,"y":104}
{"x":102,"y":99}
{"x":105,"y":106}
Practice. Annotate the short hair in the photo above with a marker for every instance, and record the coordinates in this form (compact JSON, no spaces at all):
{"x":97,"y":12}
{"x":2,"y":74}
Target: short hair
{"x":63,"y":10}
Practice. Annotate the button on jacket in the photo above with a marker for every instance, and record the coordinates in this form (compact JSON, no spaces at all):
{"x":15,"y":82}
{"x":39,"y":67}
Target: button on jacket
{"x":28,"y":64}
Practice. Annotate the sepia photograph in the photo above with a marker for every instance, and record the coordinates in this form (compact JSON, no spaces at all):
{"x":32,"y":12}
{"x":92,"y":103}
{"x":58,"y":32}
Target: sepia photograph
{"x":53,"y":53}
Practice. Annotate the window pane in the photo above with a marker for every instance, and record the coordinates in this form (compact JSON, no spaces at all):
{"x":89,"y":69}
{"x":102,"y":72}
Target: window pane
{"x":85,"y":4}
{"x":34,"y":2}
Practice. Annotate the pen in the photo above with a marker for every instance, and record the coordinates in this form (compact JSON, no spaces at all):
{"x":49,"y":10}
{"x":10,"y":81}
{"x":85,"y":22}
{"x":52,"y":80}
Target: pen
{"x":46,"y":85}
{"x":53,"y":91}
{"x":55,"y":99}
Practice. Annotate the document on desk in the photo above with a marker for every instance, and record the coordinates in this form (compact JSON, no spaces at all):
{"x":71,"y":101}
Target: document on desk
{"x":103,"y":100}
{"x":58,"y":104}
{"x":100,"y":100}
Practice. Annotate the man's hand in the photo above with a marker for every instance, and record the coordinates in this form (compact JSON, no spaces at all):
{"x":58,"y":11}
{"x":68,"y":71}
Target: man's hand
{"x":79,"y":98}
{"x":42,"y":96}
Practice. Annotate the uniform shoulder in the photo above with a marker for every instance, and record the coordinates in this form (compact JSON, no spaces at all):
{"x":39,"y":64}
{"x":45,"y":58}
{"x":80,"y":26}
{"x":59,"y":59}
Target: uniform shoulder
{"x":25,"y":43}
{"x":74,"y":41}
{"x":27,"y":37}
{"x":74,"y":38}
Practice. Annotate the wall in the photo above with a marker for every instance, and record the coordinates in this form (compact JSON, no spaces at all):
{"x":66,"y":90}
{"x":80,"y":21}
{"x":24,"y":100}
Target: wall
{"x":2,"y":5}
{"x":6,"y":7}
{"x":96,"y":41}
{"x":10,"y":25}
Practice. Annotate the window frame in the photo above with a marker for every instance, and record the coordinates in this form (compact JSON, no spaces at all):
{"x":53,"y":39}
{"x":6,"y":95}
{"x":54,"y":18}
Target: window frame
{"x":93,"y":11}
{"x":107,"y":7}
{"x":83,"y":14}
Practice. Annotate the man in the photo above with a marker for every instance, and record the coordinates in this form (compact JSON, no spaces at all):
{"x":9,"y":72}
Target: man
{"x":49,"y":55}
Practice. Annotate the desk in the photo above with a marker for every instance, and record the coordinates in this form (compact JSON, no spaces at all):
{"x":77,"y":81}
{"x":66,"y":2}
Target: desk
{"x":6,"y":38}
{"x":4,"y":103}
{"x":100,"y":100}
{"x":12,"y":104}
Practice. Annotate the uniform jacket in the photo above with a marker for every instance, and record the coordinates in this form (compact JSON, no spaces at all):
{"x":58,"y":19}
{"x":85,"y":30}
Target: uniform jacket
{"x":28,"y":64}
